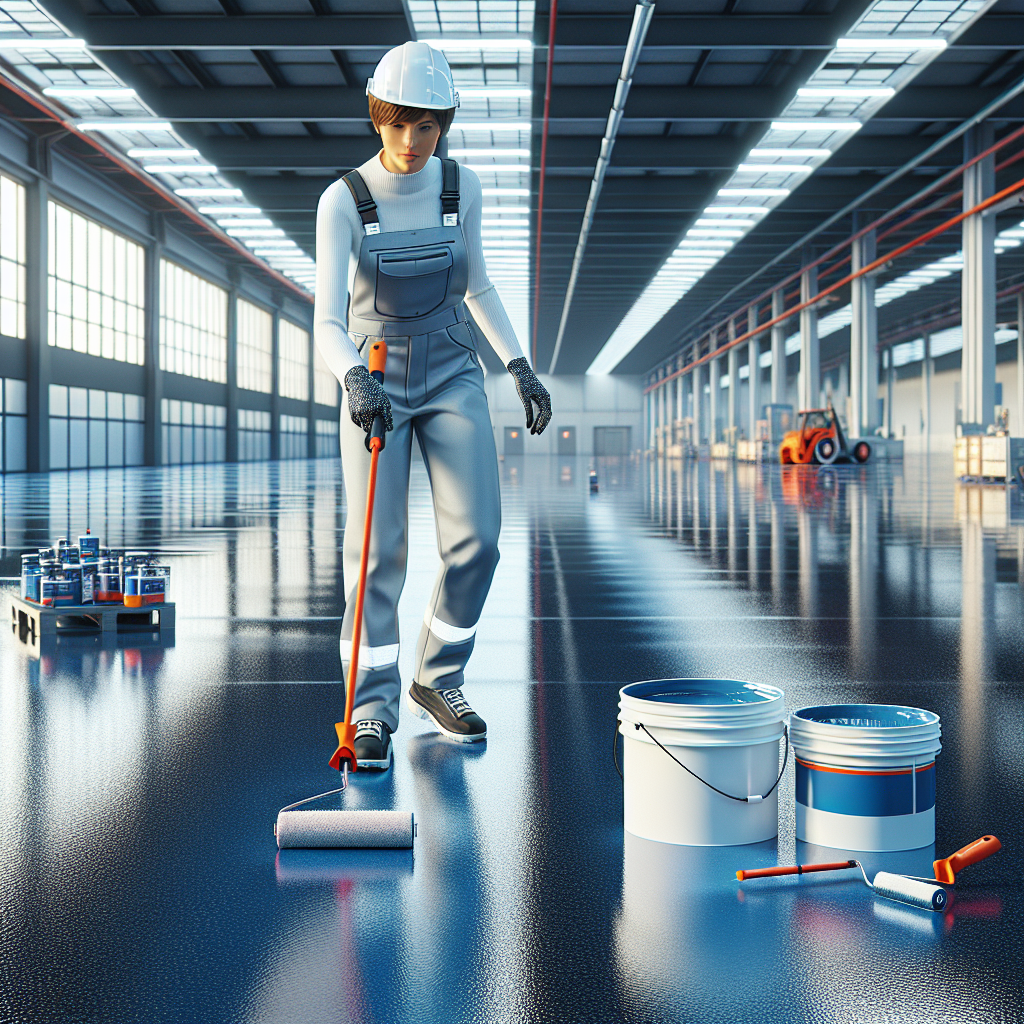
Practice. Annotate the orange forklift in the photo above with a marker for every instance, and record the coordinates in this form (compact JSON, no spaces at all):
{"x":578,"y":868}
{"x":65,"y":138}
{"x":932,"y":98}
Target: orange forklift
{"x":820,"y":441}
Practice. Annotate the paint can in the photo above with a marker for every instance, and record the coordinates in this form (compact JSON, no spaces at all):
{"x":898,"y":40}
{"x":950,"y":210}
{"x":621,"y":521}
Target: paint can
{"x":701,"y":760}
{"x":144,"y":585}
{"x":31,"y":574}
{"x":108,"y":583}
{"x":89,"y":547}
{"x":865,"y":776}
{"x":72,"y":572}
{"x":56,"y":590}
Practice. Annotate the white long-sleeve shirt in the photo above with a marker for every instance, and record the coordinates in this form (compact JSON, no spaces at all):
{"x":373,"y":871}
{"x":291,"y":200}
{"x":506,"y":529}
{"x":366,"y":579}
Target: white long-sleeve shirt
{"x":405,"y":202}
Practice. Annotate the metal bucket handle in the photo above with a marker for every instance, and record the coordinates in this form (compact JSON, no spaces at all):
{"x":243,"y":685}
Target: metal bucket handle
{"x":741,"y":799}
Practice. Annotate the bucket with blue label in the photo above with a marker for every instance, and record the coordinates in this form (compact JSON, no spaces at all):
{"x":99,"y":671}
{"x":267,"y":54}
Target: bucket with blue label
{"x":865,"y":776}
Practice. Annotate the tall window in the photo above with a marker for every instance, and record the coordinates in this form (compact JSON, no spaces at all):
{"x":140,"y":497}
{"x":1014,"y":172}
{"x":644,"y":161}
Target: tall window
{"x":193,"y":324}
{"x":12,"y":258}
{"x":325,"y":384}
{"x":255,"y":333}
{"x":96,"y":282}
{"x":293,"y":362}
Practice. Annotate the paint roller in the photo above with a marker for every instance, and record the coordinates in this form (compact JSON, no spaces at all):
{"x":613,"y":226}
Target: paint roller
{"x":925,"y":893}
{"x":299,"y":826}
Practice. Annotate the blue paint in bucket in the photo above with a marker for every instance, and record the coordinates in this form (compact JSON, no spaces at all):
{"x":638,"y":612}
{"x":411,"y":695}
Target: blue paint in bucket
{"x":865,"y":776}
{"x":727,"y":733}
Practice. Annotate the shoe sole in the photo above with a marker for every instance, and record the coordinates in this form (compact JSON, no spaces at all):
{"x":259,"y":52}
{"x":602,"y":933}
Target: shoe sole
{"x":421,"y":712}
{"x":379,"y":766}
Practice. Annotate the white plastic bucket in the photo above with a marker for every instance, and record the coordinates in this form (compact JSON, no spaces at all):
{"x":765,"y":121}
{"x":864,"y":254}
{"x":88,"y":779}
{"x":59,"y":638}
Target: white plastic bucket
{"x":727,"y":734}
{"x":865,"y":775}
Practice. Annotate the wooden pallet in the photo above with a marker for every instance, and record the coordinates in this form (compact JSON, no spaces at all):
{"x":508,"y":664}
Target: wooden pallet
{"x":30,"y":621}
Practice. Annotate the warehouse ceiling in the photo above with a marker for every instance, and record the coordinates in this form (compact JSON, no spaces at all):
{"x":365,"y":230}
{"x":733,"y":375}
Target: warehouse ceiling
{"x":271,"y":92}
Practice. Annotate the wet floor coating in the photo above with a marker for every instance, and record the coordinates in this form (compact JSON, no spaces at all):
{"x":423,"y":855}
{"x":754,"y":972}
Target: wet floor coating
{"x":139,"y":778}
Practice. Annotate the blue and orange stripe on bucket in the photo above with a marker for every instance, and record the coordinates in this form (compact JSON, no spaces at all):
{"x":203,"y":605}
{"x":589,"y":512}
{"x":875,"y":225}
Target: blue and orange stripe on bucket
{"x":871,"y":793}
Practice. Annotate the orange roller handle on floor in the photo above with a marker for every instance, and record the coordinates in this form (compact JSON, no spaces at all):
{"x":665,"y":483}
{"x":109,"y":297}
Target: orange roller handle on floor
{"x":346,"y":728}
{"x":796,"y":869}
{"x":947,"y":867}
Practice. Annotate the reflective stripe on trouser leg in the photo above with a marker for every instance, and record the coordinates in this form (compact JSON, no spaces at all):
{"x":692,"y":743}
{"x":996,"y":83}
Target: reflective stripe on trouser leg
{"x":378,"y":684}
{"x":458,"y":449}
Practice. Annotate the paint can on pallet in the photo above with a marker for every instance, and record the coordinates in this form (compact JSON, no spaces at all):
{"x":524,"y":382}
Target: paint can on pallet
{"x":109,"y":589}
{"x":31,"y":574}
{"x":865,"y":776}
{"x":701,"y":760}
{"x":144,"y":585}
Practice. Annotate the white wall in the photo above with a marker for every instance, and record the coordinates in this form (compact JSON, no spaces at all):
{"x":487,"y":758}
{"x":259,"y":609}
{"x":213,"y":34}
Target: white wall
{"x":908,"y":405}
{"x":582,"y":402}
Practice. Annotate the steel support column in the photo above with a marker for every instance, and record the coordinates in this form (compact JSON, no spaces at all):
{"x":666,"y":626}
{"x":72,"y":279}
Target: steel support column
{"x":311,"y":394}
{"x":697,"y":377}
{"x":37,"y":319}
{"x":778,"y":348}
{"x":734,"y":384}
{"x":275,"y":385}
{"x":754,"y":378}
{"x":927,"y":369}
{"x":978,"y":286}
{"x":714,"y":381}
{"x":231,"y":393}
{"x":810,"y":362}
{"x":863,"y":342}
{"x":153,"y":434}
{"x":1018,"y":427}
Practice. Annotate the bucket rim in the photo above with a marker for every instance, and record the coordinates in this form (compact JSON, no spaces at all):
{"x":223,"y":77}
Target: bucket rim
{"x":801,"y":718}
{"x":767,"y":694}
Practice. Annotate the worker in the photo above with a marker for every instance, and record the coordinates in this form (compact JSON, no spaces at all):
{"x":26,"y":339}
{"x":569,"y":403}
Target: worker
{"x":400,"y":237}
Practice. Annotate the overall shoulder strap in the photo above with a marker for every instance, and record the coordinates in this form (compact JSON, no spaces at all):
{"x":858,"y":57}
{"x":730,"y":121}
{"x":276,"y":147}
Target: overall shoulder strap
{"x":365,"y":206}
{"x":449,"y":193}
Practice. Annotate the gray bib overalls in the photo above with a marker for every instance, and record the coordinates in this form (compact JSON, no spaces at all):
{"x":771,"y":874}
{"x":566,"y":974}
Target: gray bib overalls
{"x":409,"y":289}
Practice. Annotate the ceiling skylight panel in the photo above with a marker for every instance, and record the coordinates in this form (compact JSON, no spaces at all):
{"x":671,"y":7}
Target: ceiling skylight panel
{"x":824,"y":114}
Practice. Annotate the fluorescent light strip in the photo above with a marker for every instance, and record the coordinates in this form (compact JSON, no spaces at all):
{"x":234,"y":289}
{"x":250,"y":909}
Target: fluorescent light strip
{"x":775,"y":168}
{"x":84,"y":92}
{"x":737,"y":209}
{"x":725,"y":222}
{"x":499,"y":168}
{"x":818,"y":125}
{"x":754,"y":191}
{"x":180,"y":169}
{"x":491,"y":126}
{"x":142,"y":153}
{"x":255,"y":233}
{"x":889,"y":43}
{"x":453,"y":45}
{"x":839,"y":92}
{"x":790,"y":151}
{"x":247,"y":222}
{"x":124,"y":126}
{"x":58,"y":43}
{"x":212,"y":191}
{"x":494,"y":93}
{"x":489,"y":152}
{"x":229,"y":209}
{"x":511,"y":210}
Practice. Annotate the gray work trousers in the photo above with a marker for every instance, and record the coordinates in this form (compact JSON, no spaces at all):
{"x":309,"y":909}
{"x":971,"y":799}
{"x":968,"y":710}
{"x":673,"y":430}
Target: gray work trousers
{"x":436,"y":389}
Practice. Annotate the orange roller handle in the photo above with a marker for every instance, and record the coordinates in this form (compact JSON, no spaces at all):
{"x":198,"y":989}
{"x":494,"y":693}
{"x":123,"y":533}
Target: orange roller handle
{"x":378,"y":358}
{"x":946,"y":869}
{"x":796,"y":869}
{"x":346,"y":728}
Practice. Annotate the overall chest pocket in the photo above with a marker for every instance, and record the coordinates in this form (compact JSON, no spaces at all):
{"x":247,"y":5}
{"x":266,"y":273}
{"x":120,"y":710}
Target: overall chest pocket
{"x":412,"y":284}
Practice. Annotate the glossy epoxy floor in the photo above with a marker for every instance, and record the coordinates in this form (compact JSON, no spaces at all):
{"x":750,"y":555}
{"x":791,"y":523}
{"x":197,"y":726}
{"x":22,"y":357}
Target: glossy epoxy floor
{"x":139,"y":879}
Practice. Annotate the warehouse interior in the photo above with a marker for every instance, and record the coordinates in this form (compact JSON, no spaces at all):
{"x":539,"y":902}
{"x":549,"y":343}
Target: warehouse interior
{"x":703,"y":218}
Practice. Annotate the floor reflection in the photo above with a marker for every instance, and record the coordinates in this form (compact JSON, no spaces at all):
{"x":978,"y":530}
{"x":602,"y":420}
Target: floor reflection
{"x":140,"y":775}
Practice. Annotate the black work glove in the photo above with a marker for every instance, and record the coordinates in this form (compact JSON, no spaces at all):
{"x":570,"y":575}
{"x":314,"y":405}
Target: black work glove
{"x":367,"y":400}
{"x":530,"y":391}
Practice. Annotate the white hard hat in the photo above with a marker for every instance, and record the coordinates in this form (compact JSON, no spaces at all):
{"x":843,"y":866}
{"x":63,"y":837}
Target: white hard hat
{"x":414,"y":75}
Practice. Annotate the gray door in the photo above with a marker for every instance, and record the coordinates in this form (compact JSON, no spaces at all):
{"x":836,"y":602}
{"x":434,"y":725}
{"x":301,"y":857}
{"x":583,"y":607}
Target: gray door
{"x":513,"y":441}
{"x":566,"y":440}
{"x":612,"y":440}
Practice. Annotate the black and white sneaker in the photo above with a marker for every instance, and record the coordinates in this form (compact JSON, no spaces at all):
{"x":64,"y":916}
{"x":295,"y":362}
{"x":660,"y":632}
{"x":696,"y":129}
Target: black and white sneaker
{"x":449,"y":711}
{"x":373,"y":745}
